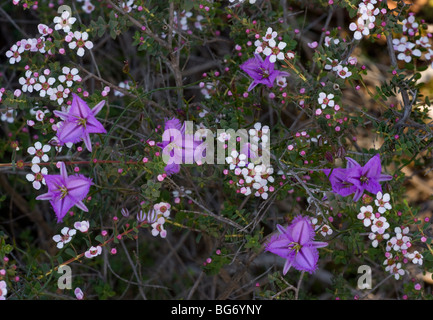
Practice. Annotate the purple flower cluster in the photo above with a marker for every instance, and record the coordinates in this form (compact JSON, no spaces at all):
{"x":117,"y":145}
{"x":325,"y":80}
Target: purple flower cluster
{"x":355,"y":179}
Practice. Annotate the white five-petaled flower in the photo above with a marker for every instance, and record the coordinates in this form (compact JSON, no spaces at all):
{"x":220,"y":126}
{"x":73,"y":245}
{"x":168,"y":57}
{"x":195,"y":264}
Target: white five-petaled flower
{"x":93,"y":252}
{"x":410,"y":26}
{"x":376,"y":238}
{"x":80,"y":42}
{"x":366,"y":215}
{"x":27,"y":82}
{"x":65,"y":237}
{"x":39,"y":152}
{"x":273,"y":51}
{"x":407,"y":50}
{"x":379,"y":225}
{"x":416,"y":257}
{"x":270,"y":35}
{"x":44,"y":86}
{"x":64,"y":22}
{"x":14,"y":54}
{"x":37,"y":178}
{"x":343,"y":72}
{"x":382,"y":202}
{"x":359,"y":29}
{"x":59,"y":94}
{"x":326,"y":100}
{"x":69,"y":76}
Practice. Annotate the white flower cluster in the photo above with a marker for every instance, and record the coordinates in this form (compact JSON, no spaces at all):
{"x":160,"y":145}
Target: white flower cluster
{"x":269,"y":46}
{"x":367,"y":13}
{"x":336,"y":66}
{"x":66,"y":234}
{"x":399,"y":243}
{"x":252,"y":178}
{"x":156,"y":218}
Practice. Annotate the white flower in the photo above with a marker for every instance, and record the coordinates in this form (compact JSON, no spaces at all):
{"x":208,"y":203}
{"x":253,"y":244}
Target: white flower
{"x":423,"y":42}
{"x":44,"y":30}
{"x":158,"y":228}
{"x":65,"y":237}
{"x":329,"y":41}
{"x":379,"y":225}
{"x":39,"y":152}
{"x":382,"y":202}
{"x":343,"y":72}
{"x":416,"y":257}
{"x":407,"y":51}
{"x":8,"y":116}
{"x":162,"y":208}
{"x":270,"y":35}
{"x":59,"y":94}
{"x":3,"y":290}
{"x":37,"y":178}
{"x":93,"y":252}
{"x":14,"y":54}
{"x":123,"y":85}
{"x":397,"y":271}
{"x":281,"y":81}
{"x":88,"y":7}
{"x":366,"y":215}
{"x":64,"y":22}
{"x":82,"y":226}
{"x":325,"y":230}
{"x":44,"y":86}
{"x":376,"y":238}
{"x":409,"y":25}
{"x":27,"y":82}
{"x":333,"y":65}
{"x":326,"y":100}
{"x":80,"y":42}
{"x":274,"y":51}
{"x":69,"y":75}
{"x":359,"y":29}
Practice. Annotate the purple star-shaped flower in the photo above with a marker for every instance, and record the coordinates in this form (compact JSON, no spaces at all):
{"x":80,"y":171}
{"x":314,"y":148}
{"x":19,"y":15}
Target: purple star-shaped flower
{"x":262,"y":71}
{"x":356,"y":178}
{"x":79,"y":122}
{"x":296,"y":244}
{"x":65,"y":191}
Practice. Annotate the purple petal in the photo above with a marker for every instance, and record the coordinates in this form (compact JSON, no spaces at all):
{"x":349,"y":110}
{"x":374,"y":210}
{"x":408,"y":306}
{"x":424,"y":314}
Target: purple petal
{"x":358,"y":194}
{"x":98,"y":107}
{"x":45,"y":196}
{"x":373,"y":167}
{"x":61,"y":206}
{"x":79,"y":107}
{"x":87,"y":142}
{"x":318,"y":244}
{"x":306,"y":259}
{"x":351,"y":163}
{"x":301,"y":230}
{"x":69,"y":131}
{"x":94,"y":126}
{"x":63,"y":172}
{"x":82,"y":206}
{"x":384,"y":177}
{"x":78,"y":186}
{"x":287,"y":266}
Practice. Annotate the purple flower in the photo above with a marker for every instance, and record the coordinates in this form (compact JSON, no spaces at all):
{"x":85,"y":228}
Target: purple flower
{"x":178,"y":146}
{"x":79,"y":122}
{"x":356,"y":178}
{"x":296,"y":244}
{"x":261,"y":71}
{"x":65,"y":191}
